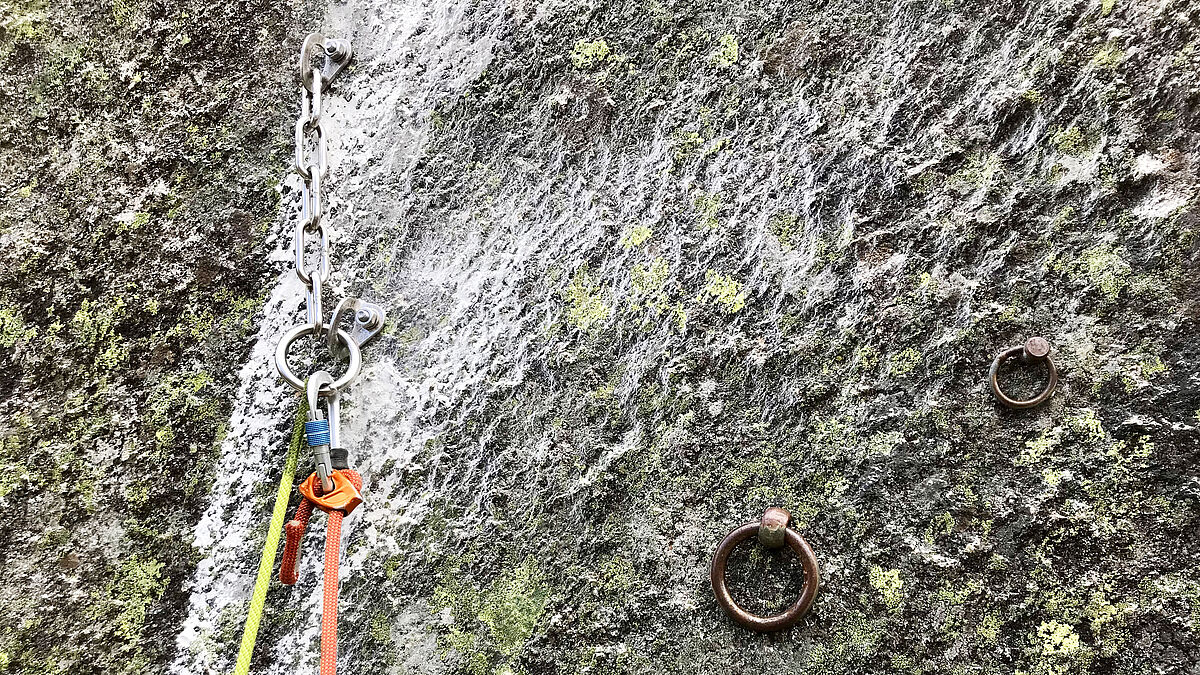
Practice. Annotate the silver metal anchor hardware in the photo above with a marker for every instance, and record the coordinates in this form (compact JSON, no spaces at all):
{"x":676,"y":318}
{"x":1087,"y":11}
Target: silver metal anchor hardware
{"x":336,"y":55}
{"x":367,"y":324}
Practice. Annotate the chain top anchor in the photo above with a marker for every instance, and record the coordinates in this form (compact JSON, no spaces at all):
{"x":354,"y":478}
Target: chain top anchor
{"x":335,"y":55}
{"x":321,"y":61}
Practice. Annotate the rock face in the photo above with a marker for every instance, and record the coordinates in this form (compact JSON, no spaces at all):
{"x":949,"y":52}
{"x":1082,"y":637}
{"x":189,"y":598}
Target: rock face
{"x":650,"y":268}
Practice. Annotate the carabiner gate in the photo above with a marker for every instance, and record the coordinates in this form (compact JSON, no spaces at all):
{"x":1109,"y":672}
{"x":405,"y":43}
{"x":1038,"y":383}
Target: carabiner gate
{"x":319,"y":430}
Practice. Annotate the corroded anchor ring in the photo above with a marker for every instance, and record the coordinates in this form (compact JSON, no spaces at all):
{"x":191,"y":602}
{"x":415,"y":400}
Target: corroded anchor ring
{"x":1035,"y":349}
{"x":772,"y":532}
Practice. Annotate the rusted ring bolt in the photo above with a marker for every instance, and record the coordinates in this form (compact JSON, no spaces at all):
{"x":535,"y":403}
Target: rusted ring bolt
{"x":772,"y":532}
{"x":1034,"y":349}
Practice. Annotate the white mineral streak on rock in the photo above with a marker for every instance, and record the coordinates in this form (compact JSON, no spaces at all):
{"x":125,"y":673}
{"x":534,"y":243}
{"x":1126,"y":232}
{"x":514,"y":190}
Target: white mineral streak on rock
{"x":409,"y":57}
{"x":226,"y":532}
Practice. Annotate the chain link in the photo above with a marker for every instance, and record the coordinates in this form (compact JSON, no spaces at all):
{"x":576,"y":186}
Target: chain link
{"x":312,"y":163}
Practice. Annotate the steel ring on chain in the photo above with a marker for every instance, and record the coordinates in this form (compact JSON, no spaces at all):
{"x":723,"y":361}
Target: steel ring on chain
{"x":285,"y":343}
{"x":771,"y":530}
{"x":1034,"y":349}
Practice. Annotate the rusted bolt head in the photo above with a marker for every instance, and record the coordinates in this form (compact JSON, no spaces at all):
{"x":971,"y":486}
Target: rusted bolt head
{"x":1034,"y":349}
{"x":771,"y":528}
{"x":1037,"y":347}
{"x":792,"y":540}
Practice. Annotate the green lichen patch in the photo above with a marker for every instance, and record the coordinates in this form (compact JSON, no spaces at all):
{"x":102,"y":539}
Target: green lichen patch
{"x":13,"y":330}
{"x":1106,"y":269}
{"x":649,"y":279}
{"x":635,"y":236}
{"x":787,"y":229}
{"x":707,"y":205}
{"x":492,"y":624}
{"x":726,"y":53}
{"x":903,"y":363}
{"x":1070,"y":140}
{"x":889,"y":585}
{"x":589,"y":55}
{"x":723,"y":290}
{"x":585,"y":302}
{"x":1108,"y":57}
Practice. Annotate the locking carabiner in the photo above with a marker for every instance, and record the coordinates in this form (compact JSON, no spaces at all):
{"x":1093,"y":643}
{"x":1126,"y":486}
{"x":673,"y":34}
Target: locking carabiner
{"x":332,"y":488}
{"x":319,"y":430}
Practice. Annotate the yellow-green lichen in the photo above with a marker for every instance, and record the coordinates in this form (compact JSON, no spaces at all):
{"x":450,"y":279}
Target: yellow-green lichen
{"x":1052,"y":477}
{"x":617,"y":576}
{"x":13,"y":330}
{"x":1086,"y":425}
{"x":589,"y":55}
{"x":1132,"y":451}
{"x":904,"y":362}
{"x":1107,"y":623}
{"x":586,"y":306}
{"x":647,"y":280}
{"x":707,"y":206}
{"x":123,"y":10}
{"x":687,"y":145}
{"x":890,"y":586}
{"x":1151,"y":366}
{"x":1109,"y":57}
{"x":1059,"y":649}
{"x":1070,"y":140}
{"x":786,"y":228}
{"x":981,"y":172}
{"x":13,"y":477}
{"x":138,"y":584}
{"x":884,"y":442}
{"x":1064,"y":217}
{"x":26,"y":191}
{"x":183,"y":397}
{"x":380,"y":628}
{"x":726,"y":53}
{"x":724,"y":291}
{"x":866,"y":358}
{"x":492,"y":625}
{"x":1039,"y":449}
{"x":1104,"y":267}
{"x":989,"y":628}
{"x":635,"y":236}
{"x":94,"y":325}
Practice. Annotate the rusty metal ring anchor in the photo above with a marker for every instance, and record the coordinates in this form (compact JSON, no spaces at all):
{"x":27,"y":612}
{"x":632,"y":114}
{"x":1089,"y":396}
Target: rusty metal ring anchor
{"x":1034,"y":349}
{"x":773,"y":532}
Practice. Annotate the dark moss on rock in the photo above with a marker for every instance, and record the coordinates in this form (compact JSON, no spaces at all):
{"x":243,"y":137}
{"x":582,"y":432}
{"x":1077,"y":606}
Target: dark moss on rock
{"x":848,"y":210}
{"x":141,"y":145}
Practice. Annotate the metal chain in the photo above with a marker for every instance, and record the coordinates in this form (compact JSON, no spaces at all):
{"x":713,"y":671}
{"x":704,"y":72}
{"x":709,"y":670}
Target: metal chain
{"x":311,"y":236}
{"x":333,"y":487}
{"x":312,"y":167}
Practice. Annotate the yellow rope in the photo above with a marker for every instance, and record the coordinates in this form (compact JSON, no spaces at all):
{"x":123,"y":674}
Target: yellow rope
{"x":266,"y":564}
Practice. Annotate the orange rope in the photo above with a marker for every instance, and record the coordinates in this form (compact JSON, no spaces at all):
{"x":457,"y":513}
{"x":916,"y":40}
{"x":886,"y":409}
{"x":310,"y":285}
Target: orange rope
{"x":288,"y":573}
{"x":294,"y":531}
{"x":329,"y":604}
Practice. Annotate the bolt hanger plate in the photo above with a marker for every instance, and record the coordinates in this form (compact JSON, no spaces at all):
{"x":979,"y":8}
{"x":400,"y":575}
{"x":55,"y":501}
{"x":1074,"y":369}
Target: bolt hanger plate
{"x":367,"y":324}
{"x":334,"y":55}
